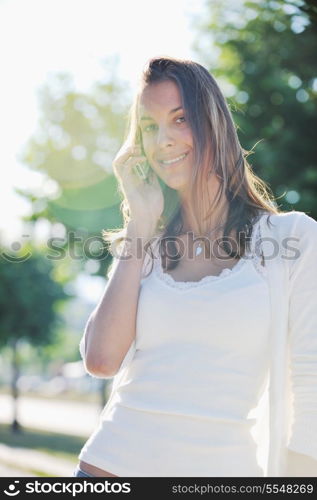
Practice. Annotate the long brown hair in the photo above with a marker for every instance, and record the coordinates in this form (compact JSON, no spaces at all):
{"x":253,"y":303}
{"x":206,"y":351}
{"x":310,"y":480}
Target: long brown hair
{"x":213,"y":131}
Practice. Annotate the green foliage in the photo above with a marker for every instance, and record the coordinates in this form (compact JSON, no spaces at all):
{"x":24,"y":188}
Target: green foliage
{"x":77,"y":138}
{"x":30,"y":297}
{"x":266,"y":65}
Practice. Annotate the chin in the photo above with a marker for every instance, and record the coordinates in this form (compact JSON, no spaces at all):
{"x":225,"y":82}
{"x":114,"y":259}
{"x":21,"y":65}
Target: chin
{"x":178,"y":185}
{"x":175,"y":180}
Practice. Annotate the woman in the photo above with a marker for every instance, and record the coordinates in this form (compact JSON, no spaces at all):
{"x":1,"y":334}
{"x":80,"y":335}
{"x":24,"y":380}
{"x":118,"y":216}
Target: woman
{"x":192,"y":324}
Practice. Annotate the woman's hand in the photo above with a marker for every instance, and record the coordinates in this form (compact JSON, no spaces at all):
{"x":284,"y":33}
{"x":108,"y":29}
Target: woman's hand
{"x":145,"y":197}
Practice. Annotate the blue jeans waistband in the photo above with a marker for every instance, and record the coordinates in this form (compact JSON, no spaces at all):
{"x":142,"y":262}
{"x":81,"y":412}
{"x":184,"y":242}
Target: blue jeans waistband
{"x":80,"y":473}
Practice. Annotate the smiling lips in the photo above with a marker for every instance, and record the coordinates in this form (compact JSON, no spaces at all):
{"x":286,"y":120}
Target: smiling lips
{"x":174,"y":160}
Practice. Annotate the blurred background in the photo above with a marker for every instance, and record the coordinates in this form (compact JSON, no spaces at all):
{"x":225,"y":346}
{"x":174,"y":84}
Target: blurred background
{"x":68,"y":73}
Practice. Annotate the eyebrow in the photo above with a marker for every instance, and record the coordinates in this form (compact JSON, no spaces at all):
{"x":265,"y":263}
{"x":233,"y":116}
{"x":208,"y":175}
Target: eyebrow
{"x":172,"y":111}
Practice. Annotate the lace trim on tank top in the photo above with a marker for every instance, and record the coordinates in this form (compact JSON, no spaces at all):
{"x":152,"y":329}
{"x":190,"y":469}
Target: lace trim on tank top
{"x":254,"y":256}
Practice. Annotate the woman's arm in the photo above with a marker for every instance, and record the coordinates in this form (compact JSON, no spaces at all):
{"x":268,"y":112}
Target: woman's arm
{"x":110,"y":329}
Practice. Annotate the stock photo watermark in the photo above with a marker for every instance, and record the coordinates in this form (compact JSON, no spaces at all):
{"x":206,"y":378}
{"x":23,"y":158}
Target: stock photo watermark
{"x":80,"y":248}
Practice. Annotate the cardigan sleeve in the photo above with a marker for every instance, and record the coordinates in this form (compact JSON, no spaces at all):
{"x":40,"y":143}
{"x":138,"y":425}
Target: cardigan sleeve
{"x":303,"y":338}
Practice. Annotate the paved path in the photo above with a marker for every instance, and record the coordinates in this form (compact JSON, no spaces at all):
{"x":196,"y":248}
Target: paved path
{"x":13,"y":471}
{"x":29,"y":462}
{"x":69,"y":417}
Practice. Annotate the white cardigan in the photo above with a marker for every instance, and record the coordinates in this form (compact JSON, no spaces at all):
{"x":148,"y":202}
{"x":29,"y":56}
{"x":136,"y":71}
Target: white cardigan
{"x":284,"y":418}
{"x":292,"y":276}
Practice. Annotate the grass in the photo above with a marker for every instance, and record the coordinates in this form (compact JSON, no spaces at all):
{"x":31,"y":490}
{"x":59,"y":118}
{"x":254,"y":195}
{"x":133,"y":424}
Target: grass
{"x":35,"y":472}
{"x":58,"y":445}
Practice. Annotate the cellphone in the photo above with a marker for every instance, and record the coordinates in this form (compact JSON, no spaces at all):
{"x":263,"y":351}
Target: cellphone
{"x":143,"y":169}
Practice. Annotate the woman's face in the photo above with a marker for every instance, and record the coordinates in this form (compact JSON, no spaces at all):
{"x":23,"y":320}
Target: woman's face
{"x":166,"y":135}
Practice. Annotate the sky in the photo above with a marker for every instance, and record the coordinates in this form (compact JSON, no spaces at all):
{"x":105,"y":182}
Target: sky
{"x":39,"y":38}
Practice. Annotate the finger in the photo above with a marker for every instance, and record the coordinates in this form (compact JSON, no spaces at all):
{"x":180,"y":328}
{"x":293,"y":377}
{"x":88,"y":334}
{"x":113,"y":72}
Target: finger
{"x":132,"y":170}
{"x":137,"y":169}
{"x":135,"y":160}
{"x":122,"y":167}
{"x":124,"y":153}
{"x":129,"y":159}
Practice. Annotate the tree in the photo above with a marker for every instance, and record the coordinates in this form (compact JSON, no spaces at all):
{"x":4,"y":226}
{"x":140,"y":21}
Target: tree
{"x":77,"y":138}
{"x":309,"y":7}
{"x":30,"y":301}
{"x":264,"y":56}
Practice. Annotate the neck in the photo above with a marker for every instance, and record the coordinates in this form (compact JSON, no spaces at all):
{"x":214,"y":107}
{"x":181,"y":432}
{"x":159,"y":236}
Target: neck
{"x":217,"y":218}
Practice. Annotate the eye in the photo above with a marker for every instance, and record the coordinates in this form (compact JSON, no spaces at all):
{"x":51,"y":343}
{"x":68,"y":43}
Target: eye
{"x":148,"y":128}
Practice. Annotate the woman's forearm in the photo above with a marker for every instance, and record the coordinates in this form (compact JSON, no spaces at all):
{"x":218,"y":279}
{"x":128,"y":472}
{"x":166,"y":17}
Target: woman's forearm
{"x":112,"y":325}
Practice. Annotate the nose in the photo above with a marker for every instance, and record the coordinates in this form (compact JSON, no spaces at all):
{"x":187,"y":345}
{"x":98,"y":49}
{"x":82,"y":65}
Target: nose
{"x":164,"y":137}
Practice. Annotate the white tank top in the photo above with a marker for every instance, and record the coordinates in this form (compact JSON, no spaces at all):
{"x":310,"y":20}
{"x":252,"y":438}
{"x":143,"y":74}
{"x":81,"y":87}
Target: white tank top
{"x":199,"y":368}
